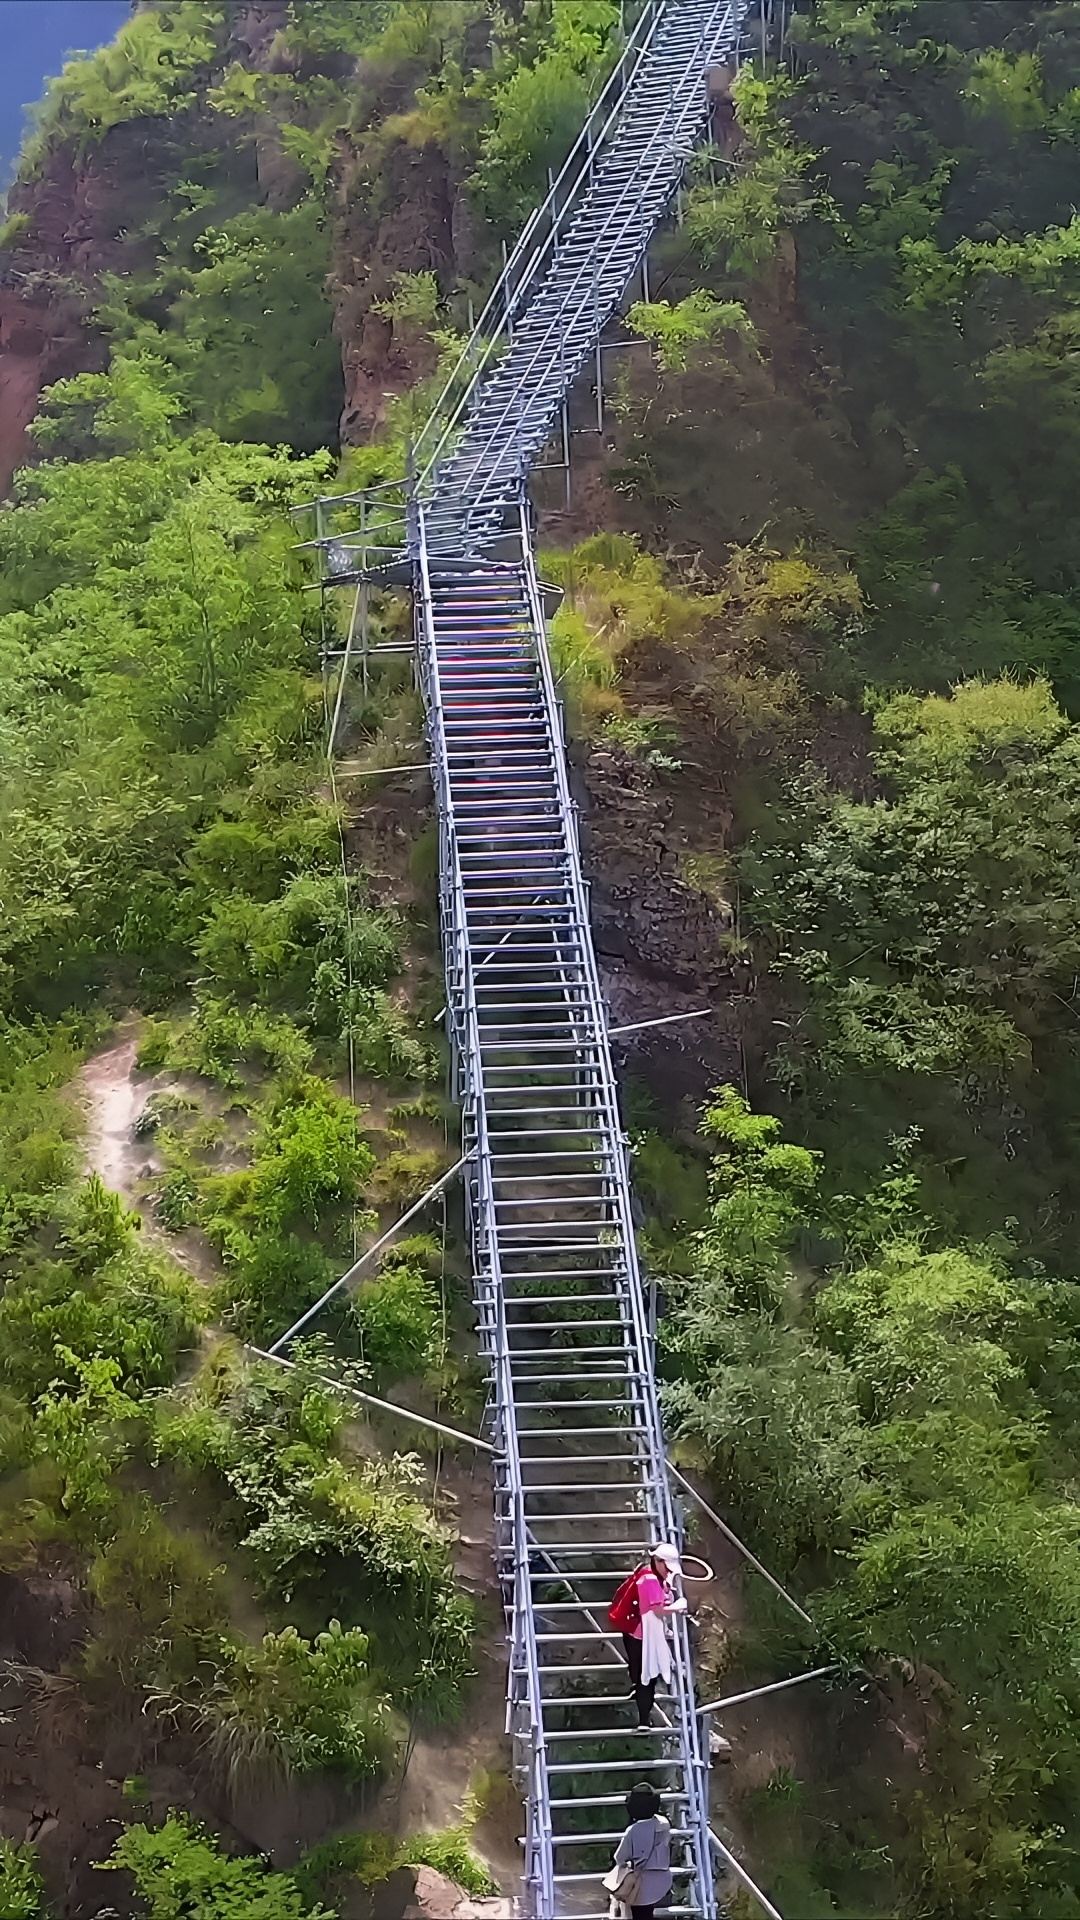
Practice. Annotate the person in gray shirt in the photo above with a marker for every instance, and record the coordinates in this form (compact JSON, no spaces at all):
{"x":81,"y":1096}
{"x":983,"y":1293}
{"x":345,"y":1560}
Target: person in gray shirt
{"x":646,"y":1845}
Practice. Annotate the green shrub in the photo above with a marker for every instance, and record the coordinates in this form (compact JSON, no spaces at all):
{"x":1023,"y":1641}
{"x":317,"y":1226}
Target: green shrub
{"x":577,"y":656}
{"x":177,"y":1199}
{"x":676,"y":329}
{"x":372,"y":1857}
{"x":451,"y":1852}
{"x":155,"y":1047}
{"x":139,"y":74}
{"x":22,"y":1891}
{"x":37,"y":1121}
{"x":177,"y":1869}
{"x":237,"y":856}
{"x":160,"y":1108}
{"x":160,"y":1605}
{"x":273,"y":1279}
{"x":386,"y":1044}
{"x":13,"y":229}
{"x":99,"y":1227}
{"x":366,"y":1857}
{"x":291,"y":1706}
{"x":398,"y":1319}
{"x":403,"y":1175}
{"x":138,"y":1310}
{"x":360,"y":1541}
{"x":221,"y":1039}
{"x":309,"y":1157}
{"x":374,"y":948}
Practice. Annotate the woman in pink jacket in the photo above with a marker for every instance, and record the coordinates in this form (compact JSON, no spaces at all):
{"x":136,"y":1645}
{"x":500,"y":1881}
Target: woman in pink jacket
{"x":648,"y":1654}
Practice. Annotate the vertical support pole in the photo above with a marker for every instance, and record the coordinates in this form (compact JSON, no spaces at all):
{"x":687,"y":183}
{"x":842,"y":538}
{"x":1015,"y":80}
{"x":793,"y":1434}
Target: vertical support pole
{"x":645,"y":275}
{"x":599,"y":352}
{"x":320,"y":524}
{"x":507,"y":302}
{"x":364,"y":591}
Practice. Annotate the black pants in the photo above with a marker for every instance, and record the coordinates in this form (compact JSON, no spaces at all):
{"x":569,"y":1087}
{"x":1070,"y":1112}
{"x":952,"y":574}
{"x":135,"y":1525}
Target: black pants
{"x":644,"y":1695}
{"x":642,"y":1913}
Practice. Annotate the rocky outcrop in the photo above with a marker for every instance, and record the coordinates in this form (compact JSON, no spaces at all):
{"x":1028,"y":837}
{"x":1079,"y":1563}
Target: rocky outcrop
{"x":74,"y":225}
{"x":43,"y":338}
{"x":86,"y":213}
{"x":437,"y":1898}
{"x":404,"y":225}
{"x":80,"y":217}
{"x":663,"y":945}
{"x":643,"y":911}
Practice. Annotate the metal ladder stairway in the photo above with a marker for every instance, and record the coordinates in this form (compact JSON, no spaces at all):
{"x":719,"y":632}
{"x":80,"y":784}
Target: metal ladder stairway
{"x":581,"y":1483}
{"x":553,"y":318}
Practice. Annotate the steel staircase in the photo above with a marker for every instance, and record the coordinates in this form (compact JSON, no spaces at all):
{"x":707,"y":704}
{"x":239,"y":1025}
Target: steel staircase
{"x":582,"y":1486}
{"x":581,"y":1483}
{"x":620,"y":182}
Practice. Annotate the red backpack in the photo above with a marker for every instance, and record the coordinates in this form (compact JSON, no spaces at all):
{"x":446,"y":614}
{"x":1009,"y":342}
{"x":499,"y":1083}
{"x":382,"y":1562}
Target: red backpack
{"x":624,"y":1612}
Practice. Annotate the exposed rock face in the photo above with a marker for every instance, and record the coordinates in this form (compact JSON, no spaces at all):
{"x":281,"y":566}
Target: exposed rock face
{"x":77,"y":216}
{"x":406,"y":225}
{"x":660,"y":942}
{"x":404,"y":214}
{"x":643,"y":911}
{"x":82,"y":214}
{"x":41,"y":340}
{"x":253,"y":30}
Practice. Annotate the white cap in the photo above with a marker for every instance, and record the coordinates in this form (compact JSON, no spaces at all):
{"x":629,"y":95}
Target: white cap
{"x":669,"y":1555}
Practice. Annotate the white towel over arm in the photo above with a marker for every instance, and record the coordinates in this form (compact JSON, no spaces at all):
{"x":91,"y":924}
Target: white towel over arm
{"x":655,"y":1649}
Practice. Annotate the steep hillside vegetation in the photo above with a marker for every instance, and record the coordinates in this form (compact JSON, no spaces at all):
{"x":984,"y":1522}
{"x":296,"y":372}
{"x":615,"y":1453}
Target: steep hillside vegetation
{"x":821,"y":651}
{"x":852,"y":429}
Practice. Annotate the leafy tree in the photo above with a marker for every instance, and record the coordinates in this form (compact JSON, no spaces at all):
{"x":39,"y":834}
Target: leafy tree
{"x":752,"y":1388}
{"x":537,"y":109}
{"x":261,"y":360}
{"x":886,"y":1423}
{"x":934,"y":930}
{"x":739,"y":209}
